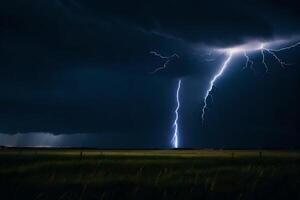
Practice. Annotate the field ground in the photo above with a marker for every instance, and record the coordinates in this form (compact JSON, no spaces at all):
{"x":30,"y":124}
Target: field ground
{"x":149,"y":174}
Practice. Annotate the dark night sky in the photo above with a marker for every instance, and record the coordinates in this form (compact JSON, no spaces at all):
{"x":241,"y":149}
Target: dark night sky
{"x":78,"y":71}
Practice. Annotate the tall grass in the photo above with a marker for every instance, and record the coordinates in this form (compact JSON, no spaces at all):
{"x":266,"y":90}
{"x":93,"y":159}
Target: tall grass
{"x":149,"y":174}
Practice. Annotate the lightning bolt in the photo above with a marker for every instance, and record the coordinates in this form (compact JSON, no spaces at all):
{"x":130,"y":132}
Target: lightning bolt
{"x":212,"y":83}
{"x":230,"y":52}
{"x":263,"y":61}
{"x":243,"y":50}
{"x":175,"y":124}
{"x":249,"y":62}
{"x":166,"y":58}
{"x":286,"y":48}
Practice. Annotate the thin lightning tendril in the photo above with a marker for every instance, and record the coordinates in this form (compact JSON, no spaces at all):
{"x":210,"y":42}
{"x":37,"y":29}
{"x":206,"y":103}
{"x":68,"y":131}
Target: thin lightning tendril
{"x":166,"y":58}
{"x":249,"y":62}
{"x":271,"y":52}
{"x":175,"y":124}
{"x":282,"y":63}
{"x":286,"y":48}
{"x":263,"y":61}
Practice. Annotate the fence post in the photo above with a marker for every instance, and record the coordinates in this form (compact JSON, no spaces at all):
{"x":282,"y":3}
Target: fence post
{"x":81,"y":155}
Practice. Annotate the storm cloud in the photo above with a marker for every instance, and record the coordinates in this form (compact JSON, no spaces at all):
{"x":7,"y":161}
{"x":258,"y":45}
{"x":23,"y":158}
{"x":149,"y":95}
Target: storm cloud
{"x":75,"y":66}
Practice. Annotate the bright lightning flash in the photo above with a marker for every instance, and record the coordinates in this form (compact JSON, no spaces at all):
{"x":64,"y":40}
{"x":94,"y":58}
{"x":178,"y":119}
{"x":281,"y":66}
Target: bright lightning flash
{"x":175,"y":124}
{"x":212,"y":82}
{"x":244,"y":49}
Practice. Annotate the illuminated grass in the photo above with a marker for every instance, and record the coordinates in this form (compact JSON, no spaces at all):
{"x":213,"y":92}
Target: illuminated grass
{"x":54,"y":174}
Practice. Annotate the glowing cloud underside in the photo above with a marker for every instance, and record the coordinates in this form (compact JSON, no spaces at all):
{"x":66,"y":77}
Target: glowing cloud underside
{"x":262,"y":48}
{"x":175,"y":124}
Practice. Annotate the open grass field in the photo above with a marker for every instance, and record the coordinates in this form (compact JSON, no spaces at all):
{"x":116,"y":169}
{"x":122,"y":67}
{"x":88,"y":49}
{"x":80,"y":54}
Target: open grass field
{"x":149,"y":174}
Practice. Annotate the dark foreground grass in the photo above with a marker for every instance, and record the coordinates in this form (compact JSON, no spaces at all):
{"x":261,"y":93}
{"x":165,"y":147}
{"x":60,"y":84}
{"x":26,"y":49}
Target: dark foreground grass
{"x":72,"y":174}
